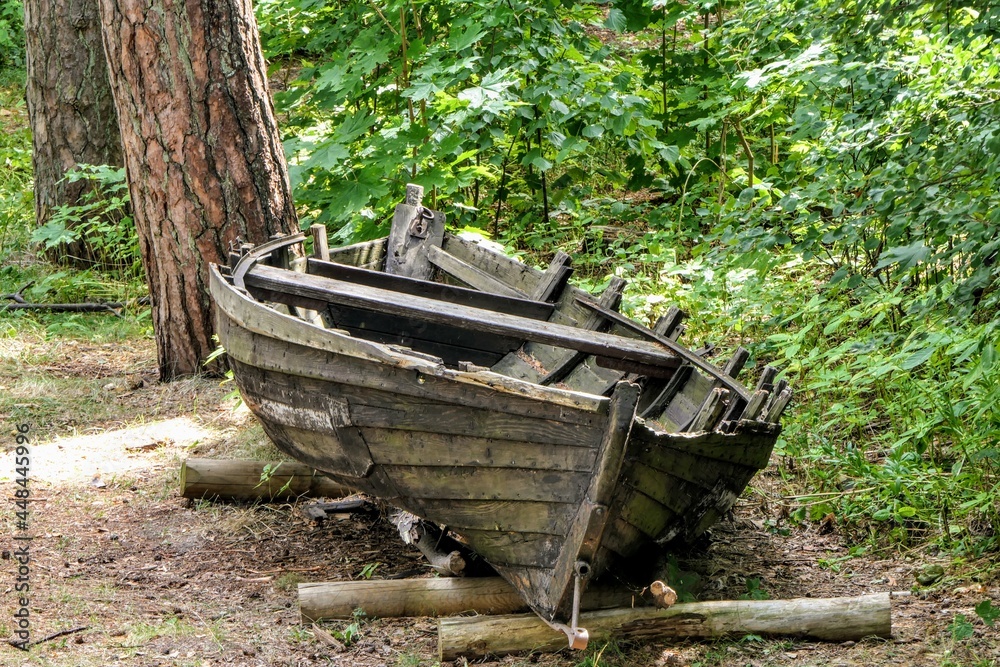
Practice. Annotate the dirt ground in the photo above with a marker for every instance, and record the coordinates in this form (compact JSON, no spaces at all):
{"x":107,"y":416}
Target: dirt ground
{"x":156,"y":579}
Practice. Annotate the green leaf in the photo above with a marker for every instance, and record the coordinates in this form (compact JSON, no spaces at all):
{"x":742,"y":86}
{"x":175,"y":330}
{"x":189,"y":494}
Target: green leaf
{"x":906,"y":256}
{"x":917,"y":358}
{"x":535,"y":159}
{"x":883,"y":514}
{"x":986,"y":611}
{"x":670,"y":154}
{"x":960,"y":628}
{"x":463,"y":40}
{"x":558,"y":105}
{"x":616,"y":20}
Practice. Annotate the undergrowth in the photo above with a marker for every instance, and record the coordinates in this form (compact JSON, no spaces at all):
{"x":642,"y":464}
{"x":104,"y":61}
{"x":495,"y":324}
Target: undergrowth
{"x":817,"y":182}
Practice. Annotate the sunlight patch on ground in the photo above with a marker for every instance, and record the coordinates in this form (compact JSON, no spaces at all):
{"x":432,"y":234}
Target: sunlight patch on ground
{"x":109,"y":454}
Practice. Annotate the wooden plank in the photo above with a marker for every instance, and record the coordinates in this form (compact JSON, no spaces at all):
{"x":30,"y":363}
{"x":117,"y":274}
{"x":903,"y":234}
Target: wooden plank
{"x":622,"y":540}
{"x":448,"y":343}
{"x":689,"y":466}
{"x":534,"y":550}
{"x":752,"y":450}
{"x":611,"y":299}
{"x":416,"y":230}
{"x":513,"y":366}
{"x":777,"y":407}
{"x":360,"y":296}
{"x":460,"y":420}
{"x":570,"y":313}
{"x":586,"y":531}
{"x":508,"y":270}
{"x":646,"y":514}
{"x":688,"y":356}
{"x":832,"y":619}
{"x":470,"y":275}
{"x":710,"y":411}
{"x":252,"y":255}
{"x":537,"y":310}
{"x":327,"y":452}
{"x":673,"y":490}
{"x":422,"y":448}
{"x":657,"y":406}
{"x":307,"y":401}
{"x":460,"y":483}
{"x":590,"y":378}
{"x":553,"y":281}
{"x":321,"y":249}
{"x":503,"y":515}
{"x":368,"y":254}
{"x":685,"y":404}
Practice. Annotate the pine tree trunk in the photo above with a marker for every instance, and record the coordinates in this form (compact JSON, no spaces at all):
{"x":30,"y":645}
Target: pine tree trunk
{"x":70,"y":107}
{"x":202,"y":152}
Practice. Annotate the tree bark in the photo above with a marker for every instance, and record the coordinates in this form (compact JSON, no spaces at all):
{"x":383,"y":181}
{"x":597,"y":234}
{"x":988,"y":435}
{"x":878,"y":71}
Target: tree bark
{"x":70,"y":107}
{"x":202,"y":152}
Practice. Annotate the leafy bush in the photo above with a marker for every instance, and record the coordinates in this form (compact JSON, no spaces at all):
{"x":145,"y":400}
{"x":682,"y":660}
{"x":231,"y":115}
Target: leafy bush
{"x":102,"y":220}
{"x":11,"y":34}
{"x":466,"y":99}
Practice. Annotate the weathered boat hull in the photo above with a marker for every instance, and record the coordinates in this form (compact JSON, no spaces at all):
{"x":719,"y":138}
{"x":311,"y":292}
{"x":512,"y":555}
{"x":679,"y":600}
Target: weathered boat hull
{"x":534,"y":478}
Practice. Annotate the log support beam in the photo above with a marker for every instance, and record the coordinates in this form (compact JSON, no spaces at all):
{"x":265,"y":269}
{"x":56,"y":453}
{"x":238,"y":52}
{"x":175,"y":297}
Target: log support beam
{"x":831,"y":619}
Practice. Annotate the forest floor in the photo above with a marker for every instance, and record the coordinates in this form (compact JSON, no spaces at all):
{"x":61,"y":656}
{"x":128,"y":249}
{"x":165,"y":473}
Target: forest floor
{"x":160,"y":580}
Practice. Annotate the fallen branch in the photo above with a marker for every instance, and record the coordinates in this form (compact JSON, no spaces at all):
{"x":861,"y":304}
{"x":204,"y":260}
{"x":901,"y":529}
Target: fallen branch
{"x":54,"y":635}
{"x":319,"y":511}
{"x":111,"y":307}
{"x":18,"y":296}
{"x":439,"y":550}
{"x":831,"y":619}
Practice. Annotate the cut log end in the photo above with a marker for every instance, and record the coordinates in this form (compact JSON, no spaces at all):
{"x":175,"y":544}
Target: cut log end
{"x":664,"y":596}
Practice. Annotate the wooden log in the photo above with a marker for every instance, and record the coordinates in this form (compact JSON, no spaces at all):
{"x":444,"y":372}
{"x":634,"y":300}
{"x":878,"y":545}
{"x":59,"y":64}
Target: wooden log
{"x":831,"y":619}
{"x":241,"y":480}
{"x":439,"y":596}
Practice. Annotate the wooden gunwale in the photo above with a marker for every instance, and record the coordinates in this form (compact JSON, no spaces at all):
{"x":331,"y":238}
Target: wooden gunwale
{"x":256,"y":318}
{"x":690,"y":357}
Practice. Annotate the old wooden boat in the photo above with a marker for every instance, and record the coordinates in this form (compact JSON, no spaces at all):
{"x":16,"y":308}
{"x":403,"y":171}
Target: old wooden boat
{"x":551,"y":433}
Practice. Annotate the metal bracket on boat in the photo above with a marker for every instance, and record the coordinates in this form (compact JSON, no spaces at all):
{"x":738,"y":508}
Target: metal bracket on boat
{"x":578,"y":637}
{"x":421,"y":227}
